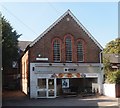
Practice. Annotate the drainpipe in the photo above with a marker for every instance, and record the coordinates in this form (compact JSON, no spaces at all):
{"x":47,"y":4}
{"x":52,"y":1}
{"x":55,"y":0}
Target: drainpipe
{"x":100,"y":77}
{"x":100,"y":55}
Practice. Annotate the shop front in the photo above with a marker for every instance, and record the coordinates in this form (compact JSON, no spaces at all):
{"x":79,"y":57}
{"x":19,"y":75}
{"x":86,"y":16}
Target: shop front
{"x":50,"y":82}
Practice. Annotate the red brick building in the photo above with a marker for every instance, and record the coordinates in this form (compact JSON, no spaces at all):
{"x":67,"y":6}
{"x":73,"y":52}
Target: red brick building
{"x":64,"y":56}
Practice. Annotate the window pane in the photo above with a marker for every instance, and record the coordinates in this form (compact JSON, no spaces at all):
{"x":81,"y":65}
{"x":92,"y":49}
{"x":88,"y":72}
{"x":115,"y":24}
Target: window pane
{"x":56,"y":50}
{"x":42,"y":83}
{"x":41,"y":93}
{"x":68,"y":46}
{"x":50,"y":83}
{"x":79,"y":51}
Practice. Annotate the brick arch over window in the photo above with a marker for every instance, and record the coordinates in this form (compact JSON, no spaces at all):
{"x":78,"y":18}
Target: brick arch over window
{"x":56,"y":49}
{"x":68,"y":40}
{"x":80,"y":50}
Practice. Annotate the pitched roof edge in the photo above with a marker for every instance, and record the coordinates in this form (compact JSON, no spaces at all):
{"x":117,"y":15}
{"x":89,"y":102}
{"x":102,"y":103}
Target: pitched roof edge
{"x":58,"y":20}
{"x":89,"y":34}
{"x":50,"y":27}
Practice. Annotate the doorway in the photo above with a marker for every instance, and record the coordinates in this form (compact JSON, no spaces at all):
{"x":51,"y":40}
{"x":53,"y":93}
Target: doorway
{"x":46,"y":87}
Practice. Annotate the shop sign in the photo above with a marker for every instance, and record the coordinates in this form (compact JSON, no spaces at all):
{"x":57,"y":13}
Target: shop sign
{"x":42,"y":59}
{"x":70,"y":69}
{"x":65,"y":83}
{"x":91,"y":75}
{"x":76,"y":75}
{"x":68,"y":75}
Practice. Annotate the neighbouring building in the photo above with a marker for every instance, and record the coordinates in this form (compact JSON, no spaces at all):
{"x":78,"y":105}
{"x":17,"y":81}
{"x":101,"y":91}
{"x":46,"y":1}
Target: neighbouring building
{"x":64,"y":56}
{"x":112,"y":89}
{"x":22,"y":46}
{"x":12,"y":74}
{"x":114,"y":60}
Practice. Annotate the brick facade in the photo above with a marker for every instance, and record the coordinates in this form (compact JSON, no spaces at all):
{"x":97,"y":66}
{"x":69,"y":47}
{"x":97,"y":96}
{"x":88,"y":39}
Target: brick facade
{"x":61,"y":30}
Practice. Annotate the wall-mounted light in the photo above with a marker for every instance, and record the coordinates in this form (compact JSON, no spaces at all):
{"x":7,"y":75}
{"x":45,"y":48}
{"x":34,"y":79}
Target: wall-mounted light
{"x":64,"y":64}
{"x":77,"y":64}
{"x":50,"y":64}
{"x":39,"y":55}
{"x":1,"y":68}
{"x":33,"y":68}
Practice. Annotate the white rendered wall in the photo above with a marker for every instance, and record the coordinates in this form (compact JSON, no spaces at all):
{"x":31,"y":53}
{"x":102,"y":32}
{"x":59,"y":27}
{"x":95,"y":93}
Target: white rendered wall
{"x":33,"y":83}
{"x":100,"y":81}
{"x":45,"y":71}
{"x":109,"y":90}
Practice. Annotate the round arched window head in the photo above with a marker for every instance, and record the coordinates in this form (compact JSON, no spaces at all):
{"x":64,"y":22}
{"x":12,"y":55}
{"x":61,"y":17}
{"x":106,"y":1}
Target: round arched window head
{"x":68,"y":19}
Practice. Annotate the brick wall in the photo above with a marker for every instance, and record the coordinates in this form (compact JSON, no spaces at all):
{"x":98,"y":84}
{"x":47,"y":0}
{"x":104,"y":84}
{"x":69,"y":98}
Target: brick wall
{"x":25,"y":72}
{"x":64,"y":27}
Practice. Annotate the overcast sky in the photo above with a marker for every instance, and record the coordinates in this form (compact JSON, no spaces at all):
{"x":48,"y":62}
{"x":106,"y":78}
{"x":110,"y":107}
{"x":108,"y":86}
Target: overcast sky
{"x":32,"y":18}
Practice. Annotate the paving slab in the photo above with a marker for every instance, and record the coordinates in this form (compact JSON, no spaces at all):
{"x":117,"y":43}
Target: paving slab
{"x":17,"y":98}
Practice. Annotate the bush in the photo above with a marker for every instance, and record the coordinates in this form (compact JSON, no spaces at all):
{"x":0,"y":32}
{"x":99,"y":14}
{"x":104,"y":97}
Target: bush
{"x":113,"y":77}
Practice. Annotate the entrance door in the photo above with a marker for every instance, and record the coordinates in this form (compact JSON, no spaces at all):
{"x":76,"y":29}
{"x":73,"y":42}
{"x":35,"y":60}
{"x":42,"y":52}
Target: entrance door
{"x":41,"y":88}
{"x":46,"y":88}
{"x":51,"y":88}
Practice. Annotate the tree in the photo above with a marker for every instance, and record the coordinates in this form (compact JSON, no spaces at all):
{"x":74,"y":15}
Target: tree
{"x":113,"y":47}
{"x":9,"y":48}
{"x":10,"y":44}
{"x":113,"y":77}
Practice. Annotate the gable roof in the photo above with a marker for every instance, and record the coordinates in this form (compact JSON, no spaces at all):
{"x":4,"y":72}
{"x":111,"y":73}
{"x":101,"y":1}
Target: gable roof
{"x":78,"y":22}
{"x":23,"y":44}
{"x":113,"y":58}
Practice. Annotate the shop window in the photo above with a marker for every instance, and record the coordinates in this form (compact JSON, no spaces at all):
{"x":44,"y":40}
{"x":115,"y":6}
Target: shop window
{"x":68,"y":49}
{"x":56,"y":50}
{"x":50,"y":83}
{"x":42,"y":83}
{"x":80,"y":51}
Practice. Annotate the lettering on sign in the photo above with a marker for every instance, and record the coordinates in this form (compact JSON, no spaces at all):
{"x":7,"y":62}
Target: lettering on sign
{"x":70,"y":69}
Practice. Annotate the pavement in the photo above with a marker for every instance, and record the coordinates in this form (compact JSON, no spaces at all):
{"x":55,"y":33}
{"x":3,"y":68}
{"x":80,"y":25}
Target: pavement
{"x":18,"y":98}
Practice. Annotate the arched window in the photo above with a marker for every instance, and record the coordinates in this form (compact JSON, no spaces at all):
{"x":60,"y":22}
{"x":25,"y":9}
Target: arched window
{"x":68,"y":49}
{"x":80,"y":51}
{"x":56,"y":50}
